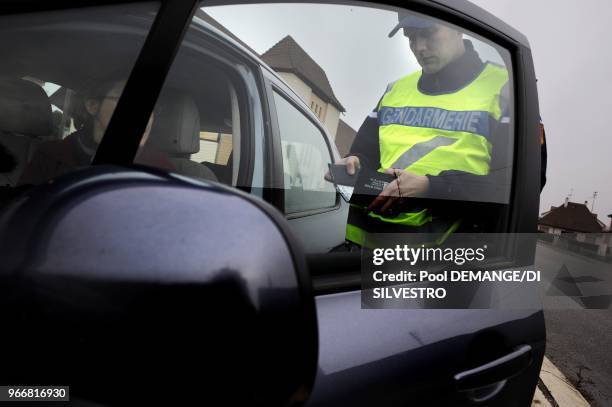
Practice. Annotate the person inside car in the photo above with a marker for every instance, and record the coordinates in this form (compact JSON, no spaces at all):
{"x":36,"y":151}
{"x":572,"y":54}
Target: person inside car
{"x":57,"y":157}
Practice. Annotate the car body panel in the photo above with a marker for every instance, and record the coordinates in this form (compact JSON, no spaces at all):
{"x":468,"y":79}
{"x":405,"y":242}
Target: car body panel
{"x":399,"y":357}
{"x":390,"y":357}
{"x":120,"y":288}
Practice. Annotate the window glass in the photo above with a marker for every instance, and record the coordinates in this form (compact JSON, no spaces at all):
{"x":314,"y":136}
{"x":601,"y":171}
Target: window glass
{"x":424,"y":106}
{"x":215,"y":148}
{"x":198,"y":129}
{"x":305,"y":160}
{"x":61,"y":75}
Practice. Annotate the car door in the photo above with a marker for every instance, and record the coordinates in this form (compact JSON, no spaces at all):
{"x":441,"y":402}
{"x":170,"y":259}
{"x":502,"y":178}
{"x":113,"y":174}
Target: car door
{"x":304,"y":151}
{"x":200,"y":132}
{"x":406,"y":356}
{"x":366,"y":356}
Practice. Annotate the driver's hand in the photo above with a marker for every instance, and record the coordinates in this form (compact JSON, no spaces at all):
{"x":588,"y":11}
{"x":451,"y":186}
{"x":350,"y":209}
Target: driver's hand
{"x":352,"y":166}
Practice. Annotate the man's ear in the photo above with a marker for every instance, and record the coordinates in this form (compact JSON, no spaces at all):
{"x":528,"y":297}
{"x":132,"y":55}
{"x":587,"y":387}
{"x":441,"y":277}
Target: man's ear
{"x":92,"y":106}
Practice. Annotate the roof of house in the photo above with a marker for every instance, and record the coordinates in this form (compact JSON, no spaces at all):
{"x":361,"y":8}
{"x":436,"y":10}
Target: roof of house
{"x":345,"y":135}
{"x":287,"y":56}
{"x":573,"y":217}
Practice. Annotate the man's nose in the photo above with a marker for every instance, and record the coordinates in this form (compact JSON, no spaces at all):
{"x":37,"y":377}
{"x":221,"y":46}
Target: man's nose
{"x":419,"y":43}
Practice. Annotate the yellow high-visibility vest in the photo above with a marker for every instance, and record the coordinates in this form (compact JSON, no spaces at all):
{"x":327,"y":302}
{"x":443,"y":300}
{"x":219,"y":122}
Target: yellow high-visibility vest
{"x":428,"y":134}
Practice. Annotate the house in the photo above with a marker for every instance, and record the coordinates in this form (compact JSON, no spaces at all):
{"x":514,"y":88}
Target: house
{"x":306,"y":78}
{"x":577,"y":222}
{"x":571,"y":217}
{"x":345,"y":135}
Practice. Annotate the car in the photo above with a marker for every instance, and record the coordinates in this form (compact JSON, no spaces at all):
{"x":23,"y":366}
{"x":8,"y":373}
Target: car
{"x":168,"y":236}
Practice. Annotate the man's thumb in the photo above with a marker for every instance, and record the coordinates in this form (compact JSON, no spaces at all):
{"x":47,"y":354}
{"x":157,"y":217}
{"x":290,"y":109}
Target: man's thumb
{"x":350,"y":167}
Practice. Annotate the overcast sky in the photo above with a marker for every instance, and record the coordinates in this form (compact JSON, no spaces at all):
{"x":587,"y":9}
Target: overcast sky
{"x":572,"y":54}
{"x":570,"y":42}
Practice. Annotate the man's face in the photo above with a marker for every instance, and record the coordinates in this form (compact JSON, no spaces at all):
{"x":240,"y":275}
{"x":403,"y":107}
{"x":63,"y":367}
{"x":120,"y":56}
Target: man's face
{"x":434,"y":47}
{"x":102,"y":110}
{"x":106,"y":107}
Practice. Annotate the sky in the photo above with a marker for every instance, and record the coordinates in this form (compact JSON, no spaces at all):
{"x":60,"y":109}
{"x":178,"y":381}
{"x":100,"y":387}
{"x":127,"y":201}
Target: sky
{"x":570,"y":43}
{"x":572,"y":57}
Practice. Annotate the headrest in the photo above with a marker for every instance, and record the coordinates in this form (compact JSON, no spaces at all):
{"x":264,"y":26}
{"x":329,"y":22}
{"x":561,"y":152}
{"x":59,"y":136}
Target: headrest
{"x":24,"y":108}
{"x":176,"y":125}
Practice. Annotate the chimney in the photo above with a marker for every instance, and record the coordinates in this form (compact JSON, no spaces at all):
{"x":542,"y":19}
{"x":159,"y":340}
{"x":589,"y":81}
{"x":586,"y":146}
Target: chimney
{"x":566,"y":201}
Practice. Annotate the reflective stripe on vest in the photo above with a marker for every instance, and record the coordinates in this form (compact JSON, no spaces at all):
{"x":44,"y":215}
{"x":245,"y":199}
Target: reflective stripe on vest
{"x":439,"y":233}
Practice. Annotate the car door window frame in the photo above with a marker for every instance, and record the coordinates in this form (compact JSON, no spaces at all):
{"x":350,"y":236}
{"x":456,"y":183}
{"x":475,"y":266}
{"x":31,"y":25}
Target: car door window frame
{"x":245,"y":77}
{"x":274,"y":85}
{"x":524,"y":193}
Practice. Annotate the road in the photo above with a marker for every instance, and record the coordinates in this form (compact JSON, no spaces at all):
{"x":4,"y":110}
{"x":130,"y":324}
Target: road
{"x":579,"y":341}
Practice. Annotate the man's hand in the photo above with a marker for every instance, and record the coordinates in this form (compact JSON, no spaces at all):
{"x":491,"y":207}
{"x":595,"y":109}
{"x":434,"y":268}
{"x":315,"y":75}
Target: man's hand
{"x":352,"y":166}
{"x":405,"y":185}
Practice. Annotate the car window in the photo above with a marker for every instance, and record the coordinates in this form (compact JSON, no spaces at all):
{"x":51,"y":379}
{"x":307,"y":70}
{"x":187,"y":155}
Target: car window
{"x":200,"y":126}
{"x":61,"y":75}
{"x":193,"y":126}
{"x":425,"y":107}
{"x":305,"y":160}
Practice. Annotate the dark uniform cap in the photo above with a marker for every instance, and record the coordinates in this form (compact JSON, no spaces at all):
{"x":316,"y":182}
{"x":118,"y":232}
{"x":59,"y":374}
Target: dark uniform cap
{"x":407,"y":20}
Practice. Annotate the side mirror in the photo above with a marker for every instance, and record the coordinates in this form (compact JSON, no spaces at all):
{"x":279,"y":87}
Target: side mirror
{"x":135,"y":287}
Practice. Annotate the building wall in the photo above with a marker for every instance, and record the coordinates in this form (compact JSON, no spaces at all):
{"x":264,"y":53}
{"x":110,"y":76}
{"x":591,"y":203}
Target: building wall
{"x":604,"y":243}
{"x":331,"y":120}
{"x":304,"y":91}
{"x":224,"y":150}
{"x":549,"y":229}
{"x":318,"y":106}
{"x":214,"y":148}
{"x":328,"y":114}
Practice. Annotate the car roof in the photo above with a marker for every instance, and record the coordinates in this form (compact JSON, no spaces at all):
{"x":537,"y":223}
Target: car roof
{"x":464,"y":7}
{"x":245,"y":50}
{"x":470,"y":9}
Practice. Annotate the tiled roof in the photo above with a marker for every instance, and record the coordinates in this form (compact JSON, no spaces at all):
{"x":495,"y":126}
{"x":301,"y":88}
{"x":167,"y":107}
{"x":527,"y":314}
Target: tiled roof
{"x":288,"y":56}
{"x":575,"y":217}
{"x":345,"y":135}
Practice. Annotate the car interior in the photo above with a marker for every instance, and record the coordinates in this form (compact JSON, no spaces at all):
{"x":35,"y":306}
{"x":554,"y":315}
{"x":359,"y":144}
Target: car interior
{"x":197,"y":122}
{"x":25,"y":121}
{"x":49,"y":66}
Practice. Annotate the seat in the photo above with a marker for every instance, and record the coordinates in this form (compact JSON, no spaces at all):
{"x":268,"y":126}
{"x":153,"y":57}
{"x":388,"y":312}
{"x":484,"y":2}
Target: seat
{"x":25,"y":121}
{"x":176,"y":133}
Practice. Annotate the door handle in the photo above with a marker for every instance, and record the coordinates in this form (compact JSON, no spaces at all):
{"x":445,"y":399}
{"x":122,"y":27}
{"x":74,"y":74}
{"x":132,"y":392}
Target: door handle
{"x":496,"y":371}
